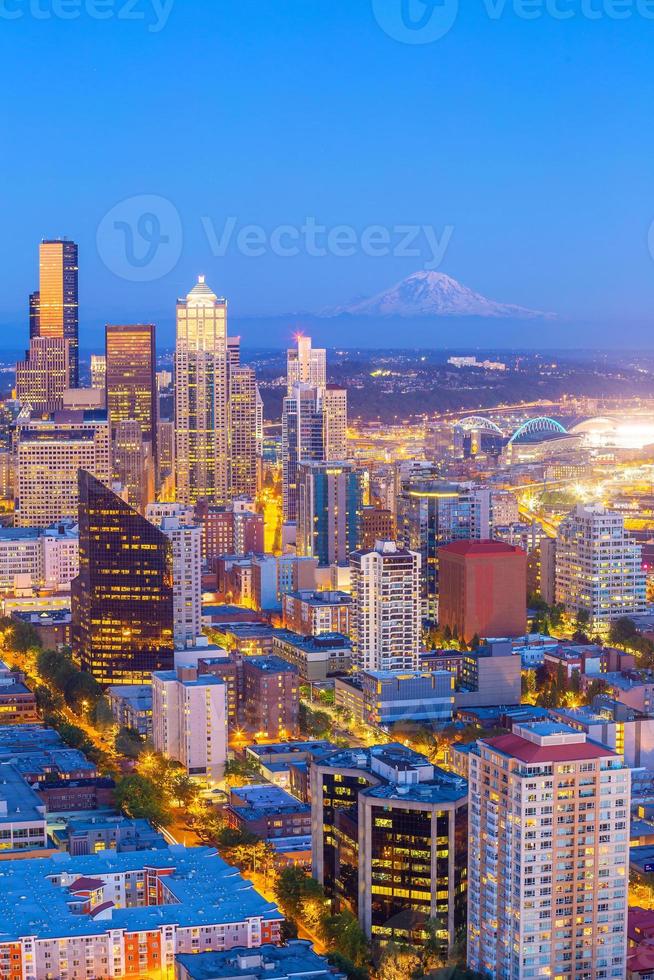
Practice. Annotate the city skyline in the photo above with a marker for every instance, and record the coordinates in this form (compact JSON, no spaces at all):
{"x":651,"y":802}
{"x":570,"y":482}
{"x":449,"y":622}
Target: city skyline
{"x":546,"y":193}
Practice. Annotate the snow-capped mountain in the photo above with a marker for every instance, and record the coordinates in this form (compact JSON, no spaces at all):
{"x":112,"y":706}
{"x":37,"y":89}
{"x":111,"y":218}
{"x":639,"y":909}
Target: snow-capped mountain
{"x":431,"y":294}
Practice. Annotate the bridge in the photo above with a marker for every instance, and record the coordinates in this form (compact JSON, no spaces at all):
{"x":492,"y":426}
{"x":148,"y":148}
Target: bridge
{"x":538,"y":426}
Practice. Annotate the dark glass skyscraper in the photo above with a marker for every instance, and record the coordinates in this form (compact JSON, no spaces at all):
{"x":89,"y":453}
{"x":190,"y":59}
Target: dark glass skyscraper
{"x":57,"y":309}
{"x":122,"y":599}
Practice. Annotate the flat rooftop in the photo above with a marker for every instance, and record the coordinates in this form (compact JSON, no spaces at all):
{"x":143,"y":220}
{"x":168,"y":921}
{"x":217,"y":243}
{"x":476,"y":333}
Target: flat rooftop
{"x":207,"y":889}
{"x":18,"y":802}
{"x":445,"y":787}
{"x":289,"y":748}
{"x":297,"y":960}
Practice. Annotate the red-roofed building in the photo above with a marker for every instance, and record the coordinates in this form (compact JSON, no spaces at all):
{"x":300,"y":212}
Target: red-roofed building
{"x":548,"y":856}
{"x":482,"y":589}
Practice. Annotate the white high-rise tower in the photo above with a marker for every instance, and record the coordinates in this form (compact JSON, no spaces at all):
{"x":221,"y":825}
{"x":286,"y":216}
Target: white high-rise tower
{"x":201,"y":397}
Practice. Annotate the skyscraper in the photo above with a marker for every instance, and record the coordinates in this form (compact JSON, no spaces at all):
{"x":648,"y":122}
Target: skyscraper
{"x":598,"y":566}
{"x":201,"y":397}
{"x":44,"y":375}
{"x":56,"y":311}
{"x":302,"y":440}
{"x":49,"y":450}
{"x":431,"y":513}
{"x":122,"y":599}
{"x":548,"y":858}
{"x":130,"y":363}
{"x":242,"y":432}
{"x":385,"y":621}
{"x":330,"y":501}
{"x":306,"y":365}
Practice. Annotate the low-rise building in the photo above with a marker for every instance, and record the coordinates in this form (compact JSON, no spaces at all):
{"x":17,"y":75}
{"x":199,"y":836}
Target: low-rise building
{"x":383,"y":698}
{"x":22,"y":815}
{"x":627,"y":731}
{"x":311,"y":613}
{"x":269,"y":812}
{"x":491,"y":675}
{"x":52,"y":626}
{"x":125,"y":914}
{"x":17,"y":702}
{"x":131,"y":706}
{"x":316,"y":657}
{"x":294,"y":961}
{"x":102,"y":832}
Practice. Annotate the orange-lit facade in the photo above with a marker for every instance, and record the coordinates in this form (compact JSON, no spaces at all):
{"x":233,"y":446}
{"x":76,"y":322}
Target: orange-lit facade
{"x":58,"y":300}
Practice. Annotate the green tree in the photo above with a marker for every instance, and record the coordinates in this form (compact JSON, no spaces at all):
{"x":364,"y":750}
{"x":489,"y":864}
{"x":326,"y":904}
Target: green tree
{"x":129,"y":743}
{"x":24,"y":637}
{"x":398,"y":962}
{"x":140,"y":797}
{"x":183,"y":789}
{"x":56,"y":668}
{"x":343,"y":933}
{"x":82,"y":692}
{"x":293,"y":887}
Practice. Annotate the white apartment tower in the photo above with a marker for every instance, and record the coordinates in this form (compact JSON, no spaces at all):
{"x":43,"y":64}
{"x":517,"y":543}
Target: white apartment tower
{"x":201,"y":397}
{"x":186,"y":543}
{"x":189,"y":720}
{"x":548,"y":856}
{"x":598,"y":566}
{"x":306,"y":365}
{"x":385,"y":620}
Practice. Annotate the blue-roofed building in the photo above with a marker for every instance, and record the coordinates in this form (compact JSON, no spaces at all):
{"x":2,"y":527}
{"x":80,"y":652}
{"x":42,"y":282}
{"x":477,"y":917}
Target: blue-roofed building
{"x":113,"y":914}
{"x":269,"y":812}
{"x":22,"y":814}
{"x":100,"y":832}
{"x":294,"y":961}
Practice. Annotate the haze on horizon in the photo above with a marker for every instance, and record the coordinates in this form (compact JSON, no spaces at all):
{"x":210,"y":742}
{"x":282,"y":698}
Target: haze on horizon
{"x":520,"y":152}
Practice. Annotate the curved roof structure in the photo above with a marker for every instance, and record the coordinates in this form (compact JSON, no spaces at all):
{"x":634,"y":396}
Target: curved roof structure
{"x":533,"y":427}
{"x":601,"y":423}
{"x":478,"y":422}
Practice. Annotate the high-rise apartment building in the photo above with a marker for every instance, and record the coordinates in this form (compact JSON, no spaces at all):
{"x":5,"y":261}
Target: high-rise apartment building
{"x":44,"y":375}
{"x":242,"y":431}
{"x":189,"y":720}
{"x":389,"y":842}
{"x":233,"y":530}
{"x":306,"y":365}
{"x":122,"y":599}
{"x":133,"y":465}
{"x":186,"y":544}
{"x":482,"y":589}
{"x":334,"y":412}
{"x":431,"y":513}
{"x":55,"y":313}
{"x":201,"y":397}
{"x":330,"y":500}
{"x":49,"y":451}
{"x":598,"y":566}
{"x":548,"y":859}
{"x":270,"y":697}
{"x":302,"y":440}
{"x":385,"y":619}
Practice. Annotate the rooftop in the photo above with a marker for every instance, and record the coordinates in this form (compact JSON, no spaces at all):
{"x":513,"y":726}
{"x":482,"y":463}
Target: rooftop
{"x":18,"y":802}
{"x":444,"y":787}
{"x":290,"y":748}
{"x":297,"y":960}
{"x":34,"y":895}
{"x":545,"y":750}
{"x":271,"y":663}
{"x":479,"y":549}
{"x":325,"y":641}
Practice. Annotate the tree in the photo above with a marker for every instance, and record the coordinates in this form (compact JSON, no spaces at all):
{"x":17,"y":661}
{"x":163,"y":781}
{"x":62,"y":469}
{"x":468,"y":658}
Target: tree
{"x":56,"y":668}
{"x":24,"y":637}
{"x":129,"y":743}
{"x":139,"y":797}
{"x":293,"y":888}
{"x":82,"y":691}
{"x":398,"y":963}
{"x":343,"y":965}
{"x":102,"y":714}
{"x":183,"y":789}
{"x":343,"y":933}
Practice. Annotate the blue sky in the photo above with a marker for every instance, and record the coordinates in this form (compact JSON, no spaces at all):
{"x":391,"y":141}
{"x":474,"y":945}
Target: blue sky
{"x":531,"y":139}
